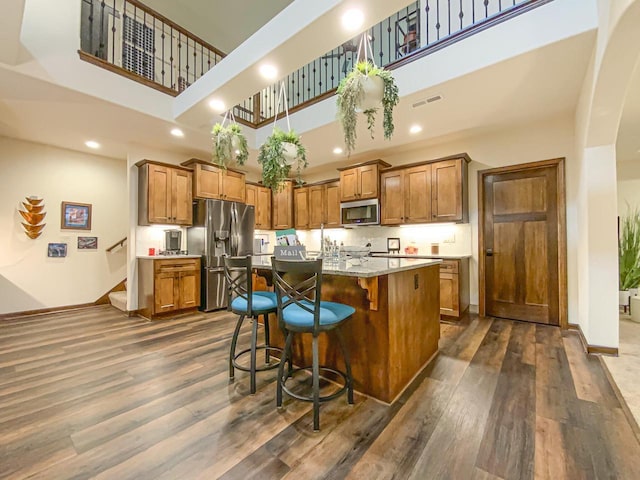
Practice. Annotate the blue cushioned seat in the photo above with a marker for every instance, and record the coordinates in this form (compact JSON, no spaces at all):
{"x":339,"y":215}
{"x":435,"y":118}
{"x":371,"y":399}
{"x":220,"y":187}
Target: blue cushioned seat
{"x":330,"y":313}
{"x":260,"y":301}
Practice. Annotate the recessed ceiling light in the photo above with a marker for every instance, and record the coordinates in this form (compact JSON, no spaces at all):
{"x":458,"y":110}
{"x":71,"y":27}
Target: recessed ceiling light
{"x":337,"y":150}
{"x":217,"y":105}
{"x":415,"y":129}
{"x":92,"y":144}
{"x":176,"y":132}
{"x":268,"y":71}
{"x":352,"y":19}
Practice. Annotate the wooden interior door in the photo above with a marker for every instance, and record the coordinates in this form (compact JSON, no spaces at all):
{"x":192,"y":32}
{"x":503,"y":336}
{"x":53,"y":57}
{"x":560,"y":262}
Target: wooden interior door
{"x":520,"y":238}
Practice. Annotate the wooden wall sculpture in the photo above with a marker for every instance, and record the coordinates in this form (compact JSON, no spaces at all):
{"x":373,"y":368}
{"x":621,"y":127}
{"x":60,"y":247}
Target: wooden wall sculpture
{"x":33,"y":215}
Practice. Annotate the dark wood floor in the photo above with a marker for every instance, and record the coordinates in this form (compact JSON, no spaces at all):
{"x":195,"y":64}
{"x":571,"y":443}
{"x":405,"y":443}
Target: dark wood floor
{"x":93,"y":393}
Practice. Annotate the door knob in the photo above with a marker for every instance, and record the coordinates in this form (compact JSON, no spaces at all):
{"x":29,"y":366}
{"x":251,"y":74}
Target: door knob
{"x":489,"y":252}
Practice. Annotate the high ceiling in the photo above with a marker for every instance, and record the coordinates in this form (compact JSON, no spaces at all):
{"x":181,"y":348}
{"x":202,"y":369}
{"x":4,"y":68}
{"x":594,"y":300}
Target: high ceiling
{"x":225,"y":24}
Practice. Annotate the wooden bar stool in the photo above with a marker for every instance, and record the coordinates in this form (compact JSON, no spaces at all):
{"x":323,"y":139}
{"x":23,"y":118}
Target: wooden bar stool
{"x":244,"y":302}
{"x":298,"y":285}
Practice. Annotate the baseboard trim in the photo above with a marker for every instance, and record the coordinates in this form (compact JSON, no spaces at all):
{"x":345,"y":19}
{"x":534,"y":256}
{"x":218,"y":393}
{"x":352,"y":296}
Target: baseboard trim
{"x":591,"y":349}
{"x":27,"y":313}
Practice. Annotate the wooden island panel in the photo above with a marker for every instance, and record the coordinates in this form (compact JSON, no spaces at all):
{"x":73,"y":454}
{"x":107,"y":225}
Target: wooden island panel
{"x":388,"y":346}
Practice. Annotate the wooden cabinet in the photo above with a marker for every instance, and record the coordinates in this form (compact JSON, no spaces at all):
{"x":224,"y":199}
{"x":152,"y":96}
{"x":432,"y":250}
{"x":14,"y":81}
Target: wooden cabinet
{"x":164,"y":194}
{"x":454,"y":287}
{"x":332,"y":196}
{"x":301,"y":207}
{"x":449,"y":191}
{"x":282,"y":207}
{"x":426,"y":192}
{"x":406,"y":195}
{"x":360,"y":182}
{"x":211,"y":181}
{"x":316,"y":205}
{"x":260,"y":198}
{"x":167,"y":285}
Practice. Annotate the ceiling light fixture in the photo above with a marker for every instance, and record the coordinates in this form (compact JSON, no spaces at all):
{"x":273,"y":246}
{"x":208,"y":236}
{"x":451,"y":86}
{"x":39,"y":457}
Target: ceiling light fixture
{"x":352,"y":19}
{"x":217,"y":105}
{"x":415,"y":129}
{"x":92,"y":144}
{"x":268,"y":71}
{"x":337,"y":150}
{"x":176,"y":132}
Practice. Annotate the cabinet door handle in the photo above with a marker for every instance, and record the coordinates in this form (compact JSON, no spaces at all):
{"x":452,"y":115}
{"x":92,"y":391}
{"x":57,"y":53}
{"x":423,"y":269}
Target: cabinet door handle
{"x":489,"y":252}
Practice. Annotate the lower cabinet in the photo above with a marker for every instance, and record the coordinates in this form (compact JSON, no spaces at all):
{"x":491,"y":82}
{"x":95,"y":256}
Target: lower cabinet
{"x":167,"y":285}
{"x":454,"y":287}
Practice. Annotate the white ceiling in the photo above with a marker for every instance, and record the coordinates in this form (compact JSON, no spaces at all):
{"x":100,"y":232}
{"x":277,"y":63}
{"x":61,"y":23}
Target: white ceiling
{"x":517,"y":91}
{"x":224,"y":24}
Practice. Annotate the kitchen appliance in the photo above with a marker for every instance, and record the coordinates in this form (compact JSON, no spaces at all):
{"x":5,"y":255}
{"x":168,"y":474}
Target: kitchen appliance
{"x":172,"y":241}
{"x":219,"y":228}
{"x":361,"y":212}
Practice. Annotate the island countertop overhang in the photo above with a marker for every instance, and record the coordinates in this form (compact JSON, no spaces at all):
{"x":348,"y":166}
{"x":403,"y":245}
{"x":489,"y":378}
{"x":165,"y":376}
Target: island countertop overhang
{"x":370,"y":267}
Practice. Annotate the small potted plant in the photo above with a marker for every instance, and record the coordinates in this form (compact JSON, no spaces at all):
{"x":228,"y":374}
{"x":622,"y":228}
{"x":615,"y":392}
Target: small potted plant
{"x":278,"y":154}
{"x":365,"y":89}
{"x":229,"y":145}
{"x":629,"y":254}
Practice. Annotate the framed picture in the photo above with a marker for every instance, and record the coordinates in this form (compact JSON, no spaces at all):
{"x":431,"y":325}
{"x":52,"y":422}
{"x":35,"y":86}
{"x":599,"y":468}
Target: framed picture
{"x":393,"y":245}
{"x":76,"y":216}
{"x":87,"y":243}
{"x":57,"y":250}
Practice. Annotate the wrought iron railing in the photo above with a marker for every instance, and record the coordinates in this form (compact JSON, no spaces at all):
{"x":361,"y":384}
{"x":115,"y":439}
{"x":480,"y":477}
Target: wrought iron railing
{"x":130,"y":36}
{"x":132,"y":39}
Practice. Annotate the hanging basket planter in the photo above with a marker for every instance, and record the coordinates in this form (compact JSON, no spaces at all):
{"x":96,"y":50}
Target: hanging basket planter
{"x":372,"y":93}
{"x":364,"y":90}
{"x":281,"y":152}
{"x":229,"y":144}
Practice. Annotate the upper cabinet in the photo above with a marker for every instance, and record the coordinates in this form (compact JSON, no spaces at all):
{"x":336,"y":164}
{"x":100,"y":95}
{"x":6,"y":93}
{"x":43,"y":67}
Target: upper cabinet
{"x":360,"y":182}
{"x":282,"y":207}
{"x":427,"y":192}
{"x":260,"y":198}
{"x":164,"y":194}
{"x":301,"y":207}
{"x":317,"y":204}
{"x":211,"y":181}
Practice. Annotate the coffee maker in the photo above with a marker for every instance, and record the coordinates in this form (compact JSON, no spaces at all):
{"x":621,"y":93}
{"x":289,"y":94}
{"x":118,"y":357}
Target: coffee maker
{"x":172,"y":241}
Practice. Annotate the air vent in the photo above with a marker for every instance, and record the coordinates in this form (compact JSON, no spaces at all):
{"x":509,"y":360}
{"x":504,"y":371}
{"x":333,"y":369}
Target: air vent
{"x":431,"y":99}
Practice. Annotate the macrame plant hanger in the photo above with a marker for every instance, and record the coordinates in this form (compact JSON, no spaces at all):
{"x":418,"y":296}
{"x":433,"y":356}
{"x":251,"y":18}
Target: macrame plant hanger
{"x":365,"y":43}
{"x":229,"y":114}
{"x":282,"y":96}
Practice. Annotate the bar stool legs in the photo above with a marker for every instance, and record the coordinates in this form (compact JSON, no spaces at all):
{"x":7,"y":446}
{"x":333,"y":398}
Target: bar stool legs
{"x":234,"y":342}
{"x":315,"y":366}
{"x":347,"y":363}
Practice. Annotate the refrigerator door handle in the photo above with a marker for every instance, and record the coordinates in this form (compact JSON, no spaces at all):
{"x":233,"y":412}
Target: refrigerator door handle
{"x":234,"y":231}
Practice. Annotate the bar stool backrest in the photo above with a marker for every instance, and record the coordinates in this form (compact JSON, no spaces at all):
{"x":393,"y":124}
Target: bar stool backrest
{"x":300,"y":283}
{"x":237,"y":271}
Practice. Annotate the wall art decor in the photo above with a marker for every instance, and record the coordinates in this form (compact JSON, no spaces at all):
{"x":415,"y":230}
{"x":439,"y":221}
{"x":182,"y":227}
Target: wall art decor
{"x":76,"y":216}
{"x":87,"y":243}
{"x":57,"y":250}
{"x":33,"y":215}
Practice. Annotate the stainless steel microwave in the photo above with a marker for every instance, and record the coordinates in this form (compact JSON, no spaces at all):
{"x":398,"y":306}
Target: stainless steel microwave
{"x":361,"y":212}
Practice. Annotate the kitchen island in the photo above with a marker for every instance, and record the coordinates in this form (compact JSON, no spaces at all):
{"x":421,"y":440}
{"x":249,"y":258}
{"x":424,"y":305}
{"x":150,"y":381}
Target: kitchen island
{"x":395,"y":330}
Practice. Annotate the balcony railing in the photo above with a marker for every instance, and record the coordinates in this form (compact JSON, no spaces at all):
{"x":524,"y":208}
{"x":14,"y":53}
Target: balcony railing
{"x":133,"y":40}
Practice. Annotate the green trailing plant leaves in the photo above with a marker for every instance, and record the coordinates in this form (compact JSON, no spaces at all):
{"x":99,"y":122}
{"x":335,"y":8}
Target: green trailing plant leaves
{"x":629,"y":250}
{"x":224,"y":151}
{"x":275,"y":167}
{"x":351,"y":92}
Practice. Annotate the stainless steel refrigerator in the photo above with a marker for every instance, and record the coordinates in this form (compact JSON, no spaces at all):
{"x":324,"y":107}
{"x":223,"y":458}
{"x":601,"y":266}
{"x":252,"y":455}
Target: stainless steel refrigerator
{"x":219,"y":228}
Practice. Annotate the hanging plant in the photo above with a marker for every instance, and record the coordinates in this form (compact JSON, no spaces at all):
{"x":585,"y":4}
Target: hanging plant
{"x":279,"y":153}
{"x":229,"y":145}
{"x":365,"y":89}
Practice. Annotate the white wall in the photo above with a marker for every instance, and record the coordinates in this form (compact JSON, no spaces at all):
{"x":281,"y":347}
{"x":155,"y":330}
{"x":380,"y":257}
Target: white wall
{"x":551,"y":138}
{"x":628,"y":195}
{"x":29,"y":280}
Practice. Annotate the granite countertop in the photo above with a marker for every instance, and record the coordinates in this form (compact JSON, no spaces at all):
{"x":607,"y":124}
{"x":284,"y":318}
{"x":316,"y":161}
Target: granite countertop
{"x":405,"y":255}
{"x":167,"y":257}
{"x":370,"y":266}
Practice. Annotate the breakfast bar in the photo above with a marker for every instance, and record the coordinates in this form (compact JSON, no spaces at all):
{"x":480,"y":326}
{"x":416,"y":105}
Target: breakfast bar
{"x":395,"y":330}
